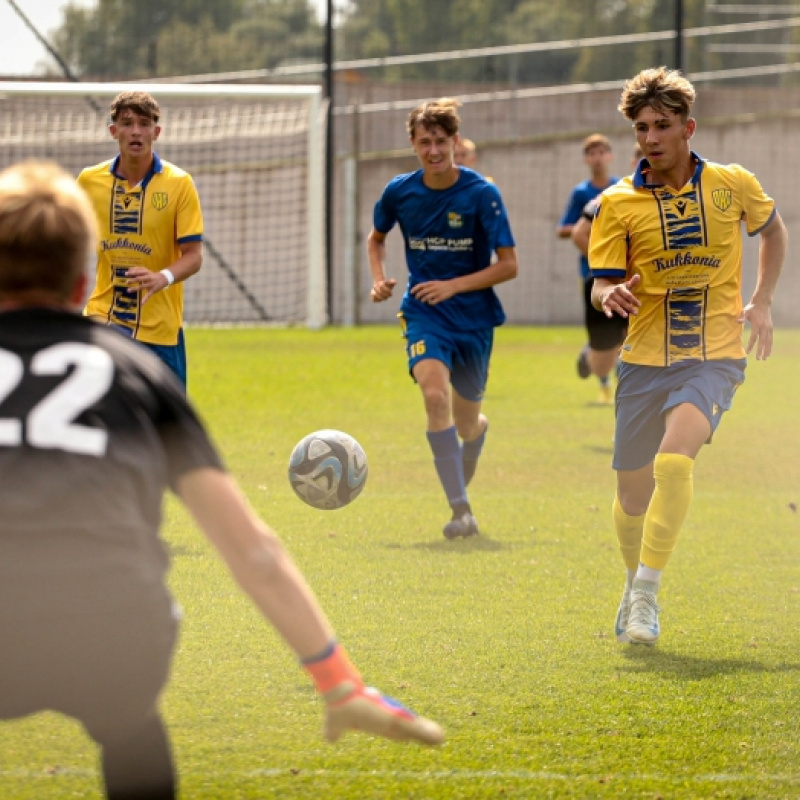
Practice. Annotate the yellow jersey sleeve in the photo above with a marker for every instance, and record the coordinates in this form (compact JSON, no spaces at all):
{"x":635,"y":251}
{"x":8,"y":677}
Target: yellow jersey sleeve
{"x":608,"y":242}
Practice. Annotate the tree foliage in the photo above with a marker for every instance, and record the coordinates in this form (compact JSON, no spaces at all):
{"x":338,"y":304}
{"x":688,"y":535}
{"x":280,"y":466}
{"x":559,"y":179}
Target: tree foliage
{"x":120,"y":39}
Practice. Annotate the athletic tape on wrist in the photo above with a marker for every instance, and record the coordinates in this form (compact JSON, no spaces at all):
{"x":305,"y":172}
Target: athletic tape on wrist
{"x":332,"y":671}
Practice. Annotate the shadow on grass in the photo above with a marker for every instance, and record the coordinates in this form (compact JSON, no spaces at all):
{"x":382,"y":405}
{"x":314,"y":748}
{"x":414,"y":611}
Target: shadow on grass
{"x":652,"y":659}
{"x":596,"y":448}
{"x":474,"y":544}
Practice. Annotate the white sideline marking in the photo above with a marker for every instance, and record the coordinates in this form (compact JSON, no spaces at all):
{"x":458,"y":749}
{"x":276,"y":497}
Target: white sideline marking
{"x":519,"y":774}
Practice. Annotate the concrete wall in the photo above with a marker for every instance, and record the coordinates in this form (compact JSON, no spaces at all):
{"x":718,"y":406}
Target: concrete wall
{"x":532,"y":150}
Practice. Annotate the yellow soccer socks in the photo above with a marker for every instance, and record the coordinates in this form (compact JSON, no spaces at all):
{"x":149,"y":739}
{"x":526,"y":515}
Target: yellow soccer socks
{"x":629,"y":534}
{"x":668,"y":508}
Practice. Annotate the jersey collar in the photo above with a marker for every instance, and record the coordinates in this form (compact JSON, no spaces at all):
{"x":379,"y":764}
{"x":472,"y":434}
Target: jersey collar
{"x":644,"y":167}
{"x":156,"y":167}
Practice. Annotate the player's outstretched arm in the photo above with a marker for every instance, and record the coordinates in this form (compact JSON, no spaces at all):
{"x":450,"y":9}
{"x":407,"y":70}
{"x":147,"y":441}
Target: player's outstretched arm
{"x":264,"y":569}
{"x":771,"y":254}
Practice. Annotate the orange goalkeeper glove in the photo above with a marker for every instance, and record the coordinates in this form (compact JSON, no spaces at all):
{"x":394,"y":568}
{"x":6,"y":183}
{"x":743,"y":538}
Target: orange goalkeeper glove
{"x":350,"y":705}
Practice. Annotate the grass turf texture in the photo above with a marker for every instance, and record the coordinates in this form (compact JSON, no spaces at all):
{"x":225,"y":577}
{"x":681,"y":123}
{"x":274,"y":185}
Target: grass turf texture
{"x":505,"y":639}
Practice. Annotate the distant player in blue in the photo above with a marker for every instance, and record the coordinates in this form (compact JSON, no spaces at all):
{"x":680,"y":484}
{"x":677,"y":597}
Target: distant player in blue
{"x":599,"y":356}
{"x":459,"y":245}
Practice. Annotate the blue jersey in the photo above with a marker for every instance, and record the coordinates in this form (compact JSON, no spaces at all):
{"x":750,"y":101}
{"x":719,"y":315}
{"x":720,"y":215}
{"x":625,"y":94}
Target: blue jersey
{"x":448,"y":233}
{"x":580,"y":196}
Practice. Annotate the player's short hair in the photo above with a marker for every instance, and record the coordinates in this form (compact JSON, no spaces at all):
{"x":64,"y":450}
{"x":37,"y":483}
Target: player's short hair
{"x":48,"y":230}
{"x":664,"y":90}
{"x":596,"y":140}
{"x":442,"y":112}
{"x":143,"y":103}
{"x":468,"y":144}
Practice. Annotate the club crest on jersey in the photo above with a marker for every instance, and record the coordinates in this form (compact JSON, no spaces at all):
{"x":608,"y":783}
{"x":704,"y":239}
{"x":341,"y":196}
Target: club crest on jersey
{"x":454,"y":219}
{"x":160,"y":200}
{"x":722,"y":198}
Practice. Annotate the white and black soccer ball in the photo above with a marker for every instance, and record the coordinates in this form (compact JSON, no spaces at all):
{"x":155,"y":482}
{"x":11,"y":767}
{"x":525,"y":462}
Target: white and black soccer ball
{"x":328,"y":469}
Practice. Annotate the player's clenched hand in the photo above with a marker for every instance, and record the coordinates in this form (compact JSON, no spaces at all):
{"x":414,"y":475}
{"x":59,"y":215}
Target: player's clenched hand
{"x":760,"y":318}
{"x":141,"y":279}
{"x":433,"y":292}
{"x":362,"y":708}
{"x":620,"y":299}
{"x":382,"y":290}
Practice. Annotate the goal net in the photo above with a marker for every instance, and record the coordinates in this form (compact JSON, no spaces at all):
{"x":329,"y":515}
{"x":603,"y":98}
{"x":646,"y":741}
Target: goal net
{"x":256,"y":153}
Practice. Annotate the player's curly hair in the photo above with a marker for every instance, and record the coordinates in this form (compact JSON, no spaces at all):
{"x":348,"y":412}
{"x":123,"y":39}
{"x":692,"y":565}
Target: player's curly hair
{"x":142,"y":103}
{"x":664,"y":90}
{"x":442,"y":112}
{"x":47,"y":230}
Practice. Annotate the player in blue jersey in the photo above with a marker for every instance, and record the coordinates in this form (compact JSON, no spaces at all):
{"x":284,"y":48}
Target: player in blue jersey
{"x":93,"y":429}
{"x":582,"y":229}
{"x":599,"y":356}
{"x":666,"y":254}
{"x":458,"y":245}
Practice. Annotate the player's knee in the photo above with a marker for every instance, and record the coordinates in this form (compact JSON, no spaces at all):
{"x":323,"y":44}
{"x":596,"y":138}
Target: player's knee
{"x":437,"y":401}
{"x":635,"y":498}
{"x":470,"y":427}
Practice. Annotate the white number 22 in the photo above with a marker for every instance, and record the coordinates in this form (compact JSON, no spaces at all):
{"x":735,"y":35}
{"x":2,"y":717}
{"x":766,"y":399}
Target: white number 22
{"x":50,"y":423}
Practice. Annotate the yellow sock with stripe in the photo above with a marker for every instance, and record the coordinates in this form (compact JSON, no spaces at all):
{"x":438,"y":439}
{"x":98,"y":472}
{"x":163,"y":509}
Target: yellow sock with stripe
{"x":629,"y":534}
{"x":668,"y":508}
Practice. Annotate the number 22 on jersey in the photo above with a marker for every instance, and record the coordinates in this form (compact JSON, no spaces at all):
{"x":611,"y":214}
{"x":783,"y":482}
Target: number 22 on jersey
{"x":50,"y":423}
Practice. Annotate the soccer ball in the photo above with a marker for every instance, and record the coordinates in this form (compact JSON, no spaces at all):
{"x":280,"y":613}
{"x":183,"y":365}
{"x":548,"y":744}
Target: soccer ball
{"x":328,"y":469}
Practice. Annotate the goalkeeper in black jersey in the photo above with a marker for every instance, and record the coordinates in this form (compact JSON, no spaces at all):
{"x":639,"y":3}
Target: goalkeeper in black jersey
{"x":93,"y":429}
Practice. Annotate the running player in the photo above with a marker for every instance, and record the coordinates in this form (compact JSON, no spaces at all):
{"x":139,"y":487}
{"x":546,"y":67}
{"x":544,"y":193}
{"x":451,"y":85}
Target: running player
{"x":666,"y":254}
{"x":458,"y":245}
{"x":599,"y":356}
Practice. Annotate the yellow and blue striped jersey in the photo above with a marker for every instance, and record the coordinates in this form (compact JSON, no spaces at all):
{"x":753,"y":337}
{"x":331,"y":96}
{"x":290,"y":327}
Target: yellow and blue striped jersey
{"x":141,"y":226}
{"x":687,"y":248}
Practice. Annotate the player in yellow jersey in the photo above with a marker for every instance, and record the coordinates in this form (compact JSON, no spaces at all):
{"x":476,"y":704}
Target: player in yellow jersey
{"x":151,"y":233}
{"x":666,"y":253}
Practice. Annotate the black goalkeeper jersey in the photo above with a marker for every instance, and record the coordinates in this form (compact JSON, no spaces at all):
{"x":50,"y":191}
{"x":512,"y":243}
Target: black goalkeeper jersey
{"x":93,"y":429}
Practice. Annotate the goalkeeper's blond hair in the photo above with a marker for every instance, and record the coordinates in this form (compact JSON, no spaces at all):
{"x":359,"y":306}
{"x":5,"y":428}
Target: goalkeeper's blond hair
{"x":48,"y":230}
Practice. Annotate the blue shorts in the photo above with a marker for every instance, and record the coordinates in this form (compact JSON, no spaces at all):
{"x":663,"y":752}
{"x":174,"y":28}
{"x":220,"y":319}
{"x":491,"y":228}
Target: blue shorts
{"x":645,"y":394}
{"x":465,"y":353}
{"x":173,"y":355}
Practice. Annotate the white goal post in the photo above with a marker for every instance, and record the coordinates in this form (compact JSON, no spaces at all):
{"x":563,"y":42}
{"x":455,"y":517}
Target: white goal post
{"x":256,"y":153}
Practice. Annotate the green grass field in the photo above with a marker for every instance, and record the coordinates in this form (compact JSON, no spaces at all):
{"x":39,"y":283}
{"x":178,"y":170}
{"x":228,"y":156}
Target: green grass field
{"x":505,"y":639}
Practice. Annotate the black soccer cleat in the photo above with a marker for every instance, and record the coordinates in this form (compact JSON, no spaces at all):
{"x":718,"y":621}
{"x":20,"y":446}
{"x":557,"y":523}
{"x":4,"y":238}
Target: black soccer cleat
{"x":464,"y":525}
{"x":582,"y":364}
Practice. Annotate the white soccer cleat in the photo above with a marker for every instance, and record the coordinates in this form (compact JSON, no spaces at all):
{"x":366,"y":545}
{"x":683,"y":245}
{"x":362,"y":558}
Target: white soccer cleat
{"x":642,"y":625}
